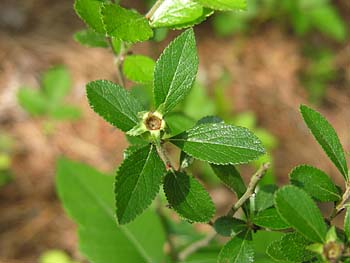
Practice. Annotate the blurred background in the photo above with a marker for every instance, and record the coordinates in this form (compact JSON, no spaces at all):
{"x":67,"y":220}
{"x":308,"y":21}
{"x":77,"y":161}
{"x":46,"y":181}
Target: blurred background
{"x":256,"y":67}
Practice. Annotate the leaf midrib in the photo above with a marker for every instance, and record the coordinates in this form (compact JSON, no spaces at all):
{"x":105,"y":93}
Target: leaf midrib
{"x":113,"y":105}
{"x":215,"y":143}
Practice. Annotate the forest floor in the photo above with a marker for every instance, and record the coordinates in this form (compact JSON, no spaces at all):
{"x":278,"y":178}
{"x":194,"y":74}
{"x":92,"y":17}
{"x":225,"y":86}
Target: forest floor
{"x":264,"y":66}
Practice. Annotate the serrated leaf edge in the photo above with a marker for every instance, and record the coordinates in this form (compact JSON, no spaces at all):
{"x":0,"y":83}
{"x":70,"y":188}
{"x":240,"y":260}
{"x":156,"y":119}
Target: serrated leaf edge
{"x":309,"y":166}
{"x":108,"y":33}
{"x":189,"y":31}
{"x":343,"y":172}
{"x":135,"y":214}
{"x":188,"y":219}
{"x":282,"y":189}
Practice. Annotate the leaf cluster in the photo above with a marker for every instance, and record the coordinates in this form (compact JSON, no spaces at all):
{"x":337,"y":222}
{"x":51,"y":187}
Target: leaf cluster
{"x":48,"y":100}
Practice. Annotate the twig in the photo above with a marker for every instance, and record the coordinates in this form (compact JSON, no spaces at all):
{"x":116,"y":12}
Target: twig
{"x":163,"y":220}
{"x":196,"y":246}
{"x":254,"y":180}
{"x":163,"y":155}
{"x":118,"y":60}
{"x":153,"y":9}
{"x":341,"y":205}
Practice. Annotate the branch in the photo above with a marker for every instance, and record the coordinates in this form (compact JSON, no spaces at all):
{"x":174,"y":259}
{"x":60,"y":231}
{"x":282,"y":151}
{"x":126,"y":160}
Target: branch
{"x":341,"y":205}
{"x":163,"y":155}
{"x":153,"y":9}
{"x":196,"y":246}
{"x":254,"y":180}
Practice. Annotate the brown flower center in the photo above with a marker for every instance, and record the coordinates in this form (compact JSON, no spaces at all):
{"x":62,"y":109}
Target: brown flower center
{"x":153,"y":122}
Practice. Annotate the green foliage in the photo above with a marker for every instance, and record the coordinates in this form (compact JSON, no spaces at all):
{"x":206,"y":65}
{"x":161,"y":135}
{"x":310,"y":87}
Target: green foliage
{"x":298,"y":209}
{"x":229,"y":175}
{"x":125,"y":24}
{"x":188,"y":197}
{"x":185,"y":117}
{"x":177,"y":14}
{"x":291,"y":248}
{"x":238,"y":249}
{"x":175,"y":72}
{"x":87,"y":196}
{"x":49,"y":99}
{"x":139,"y":68}
{"x":315,"y":182}
{"x":302,"y":16}
{"x":230,"y":226}
{"x":55,"y":256}
{"x":224,"y":5}
{"x":90,"y":12}
{"x":326,"y":136}
{"x":264,"y":197}
{"x":270,"y":219}
{"x":319,"y":73}
{"x":220,"y":143}
{"x":137,"y":182}
{"x":90,"y":38}
{"x":114,"y":104}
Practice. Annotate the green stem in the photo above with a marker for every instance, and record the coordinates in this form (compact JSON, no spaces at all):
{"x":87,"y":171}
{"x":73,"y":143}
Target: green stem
{"x":153,"y":9}
{"x":118,"y":60}
{"x":196,"y":246}
{"x":254,"y":180}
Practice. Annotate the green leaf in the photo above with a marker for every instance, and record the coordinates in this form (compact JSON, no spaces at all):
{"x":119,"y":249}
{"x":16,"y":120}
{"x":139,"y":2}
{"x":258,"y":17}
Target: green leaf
{"x":238,"y":249}
{"x":139,"y":68}
{"x":137,"y":182}
{"x":326,"y":137}
{"x":220,"y":143}
{"x":173,"y":13}
{"x":143,"y":93}
{"x":114,"y":104}
{"x":125,"y":24}
{"x":224,"y":5}
{"x":178,"y":122}
{"x":328,"y":21}
{"x":291,"y":248}
{"x":209,"y":119}
{"x":315,"y":182}
{"x":229,"y":226}
{"x":229,"y":175}
{"x":261,"y":240}
{"x":32,"y":101}
{"x":90,"y":38}
{"x":270,"y":218}
{"x":56,"y":83}
{"x":275,"y":252}
{"x":87,"y":196}
{"x":208,"y":254}
{"x":197,"y":103}
{"x":264,"y":197}
{"x":205,"y":14}
{"x":65,"y":112}
{"x":90,"y":12}
{"x":188,"y":197}
{"x":297,"y":208}
{"x":175,"y":72}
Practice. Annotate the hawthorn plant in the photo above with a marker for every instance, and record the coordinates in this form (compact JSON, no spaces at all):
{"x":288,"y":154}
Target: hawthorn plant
{"x":120,"y":217}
